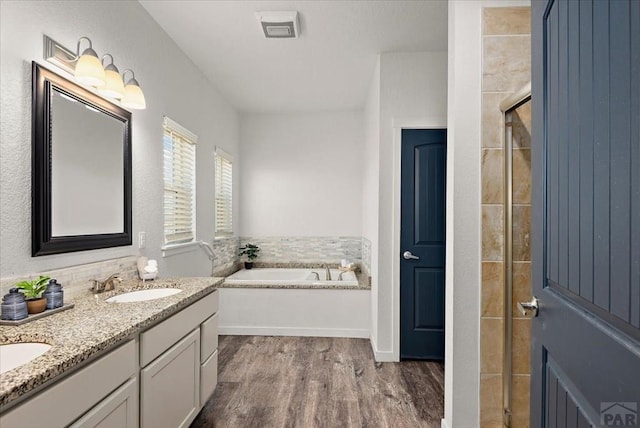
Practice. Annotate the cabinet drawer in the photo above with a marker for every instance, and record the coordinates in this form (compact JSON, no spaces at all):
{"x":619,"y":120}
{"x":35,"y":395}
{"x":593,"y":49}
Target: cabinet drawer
{"x":170,"y":386}
{"x":208,"y":337}
{"x":158,"y":339}
{"x":208,"y":378}
{"x":74,"y":395}
{"x":118,"y":410}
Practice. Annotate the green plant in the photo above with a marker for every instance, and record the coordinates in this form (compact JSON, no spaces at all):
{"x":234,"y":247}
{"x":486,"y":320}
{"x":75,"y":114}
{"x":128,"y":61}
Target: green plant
{"x":33,"y":289}
{"x":250,"y":250}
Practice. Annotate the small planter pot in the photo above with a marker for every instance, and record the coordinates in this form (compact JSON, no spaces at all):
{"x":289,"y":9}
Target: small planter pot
{"x":248,"y":265}
{"x":35,"y":306}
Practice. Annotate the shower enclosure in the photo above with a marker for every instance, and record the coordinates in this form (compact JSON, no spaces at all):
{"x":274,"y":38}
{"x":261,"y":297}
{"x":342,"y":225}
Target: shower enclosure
{"x":517,"y":255}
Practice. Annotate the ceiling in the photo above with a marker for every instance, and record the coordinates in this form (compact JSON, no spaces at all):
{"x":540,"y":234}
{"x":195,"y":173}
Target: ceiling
{"x":329,"y":67}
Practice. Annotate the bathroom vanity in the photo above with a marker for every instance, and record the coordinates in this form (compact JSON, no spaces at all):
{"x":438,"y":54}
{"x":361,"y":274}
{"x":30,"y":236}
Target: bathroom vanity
{"x":149,"y":363}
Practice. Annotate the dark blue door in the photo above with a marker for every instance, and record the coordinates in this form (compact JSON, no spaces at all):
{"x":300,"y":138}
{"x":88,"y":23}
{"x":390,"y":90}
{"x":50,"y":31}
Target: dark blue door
{"x":586,"y":213}
{"x":422,"y":242}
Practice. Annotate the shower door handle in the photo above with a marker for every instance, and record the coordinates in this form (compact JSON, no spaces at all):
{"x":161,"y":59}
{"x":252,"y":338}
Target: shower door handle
{"x":408,"y":256}
{"x":532,"y":306}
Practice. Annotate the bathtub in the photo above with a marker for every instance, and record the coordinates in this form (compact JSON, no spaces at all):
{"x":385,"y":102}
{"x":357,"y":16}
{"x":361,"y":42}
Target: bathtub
{"x":292,"y":302}
{"x":300,"y":277}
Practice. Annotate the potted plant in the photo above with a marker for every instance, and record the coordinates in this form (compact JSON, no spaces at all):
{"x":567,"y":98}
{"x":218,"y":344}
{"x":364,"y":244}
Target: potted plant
{"x":33,"y":293}
{"x":251,"y":251}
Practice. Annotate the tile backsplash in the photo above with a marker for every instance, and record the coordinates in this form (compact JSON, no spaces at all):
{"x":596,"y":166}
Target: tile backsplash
{"x":274,"y":249}
{"x":330,"y":249}
{"x":76,"y":279}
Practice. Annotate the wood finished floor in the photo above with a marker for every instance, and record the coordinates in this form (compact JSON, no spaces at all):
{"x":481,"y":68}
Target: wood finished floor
{"x":319,"y":382}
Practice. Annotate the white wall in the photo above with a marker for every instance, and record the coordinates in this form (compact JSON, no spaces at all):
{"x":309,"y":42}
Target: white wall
{"x":172,"y":85}
{"x":301,"y":174}
{"x":462,"y":316}
{"x":370,"y":187}
{"x":413,"y":86}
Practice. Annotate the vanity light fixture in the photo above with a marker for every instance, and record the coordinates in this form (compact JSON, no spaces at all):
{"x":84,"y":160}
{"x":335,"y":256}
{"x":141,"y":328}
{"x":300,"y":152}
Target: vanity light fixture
{"x":89,"y":70}
{"x":133,"y":96}
{"x":114,"y":86}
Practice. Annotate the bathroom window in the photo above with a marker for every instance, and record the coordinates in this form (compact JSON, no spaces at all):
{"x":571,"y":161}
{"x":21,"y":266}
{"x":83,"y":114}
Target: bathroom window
{"x":224,"y":193}
{"x":179,"y":183}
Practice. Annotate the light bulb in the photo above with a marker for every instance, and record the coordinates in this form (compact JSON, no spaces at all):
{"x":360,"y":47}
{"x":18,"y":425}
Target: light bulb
{"x":114,"y":86}
{"x":133,"y":96}
{"x":89,"y":69}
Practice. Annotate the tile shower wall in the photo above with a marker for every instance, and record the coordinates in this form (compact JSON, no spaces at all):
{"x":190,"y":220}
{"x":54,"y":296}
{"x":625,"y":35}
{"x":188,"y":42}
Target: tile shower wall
{"x":506,"y":68}
{"x":330,"y":249}
{"x":77,"y":279}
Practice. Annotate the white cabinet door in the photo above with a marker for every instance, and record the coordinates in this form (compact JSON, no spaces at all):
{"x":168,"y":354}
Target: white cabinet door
{"x":77,"y":393}
{"x":208,"y":378}
{"x":170,"y":385}
{"x":208,"y":338}
{"x":118,"y":410}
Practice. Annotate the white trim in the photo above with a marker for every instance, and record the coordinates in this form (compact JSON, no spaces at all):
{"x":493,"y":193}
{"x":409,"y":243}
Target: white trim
{"x":174,"y":249}
{"x":219,"y":151}
{"x":444,"y":424}
{"x":381,"y":356}
{"x":167,"y":122}
{"x":400,"y":123}
{"x":292,"y":331}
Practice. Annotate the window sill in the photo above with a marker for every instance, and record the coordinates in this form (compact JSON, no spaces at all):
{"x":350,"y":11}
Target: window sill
{"x":175,"y":249}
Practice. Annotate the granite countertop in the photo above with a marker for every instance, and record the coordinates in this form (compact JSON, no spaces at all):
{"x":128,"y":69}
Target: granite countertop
{"x":90,"y":328}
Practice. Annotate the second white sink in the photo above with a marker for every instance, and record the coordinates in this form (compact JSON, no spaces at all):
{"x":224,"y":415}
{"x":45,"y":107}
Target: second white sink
{"x":143,"y":295}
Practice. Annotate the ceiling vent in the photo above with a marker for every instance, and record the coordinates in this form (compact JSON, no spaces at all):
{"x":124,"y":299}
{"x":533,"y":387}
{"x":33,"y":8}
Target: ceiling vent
{"x":279,"y":25}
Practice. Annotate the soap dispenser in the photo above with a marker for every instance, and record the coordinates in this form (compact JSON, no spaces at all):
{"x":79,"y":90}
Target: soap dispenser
{"x":54,"y":295}
{"x":14,"y":307}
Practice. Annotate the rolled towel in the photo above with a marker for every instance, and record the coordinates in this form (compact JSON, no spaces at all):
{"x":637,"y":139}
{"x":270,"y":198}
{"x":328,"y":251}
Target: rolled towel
{"x":151,"y":269}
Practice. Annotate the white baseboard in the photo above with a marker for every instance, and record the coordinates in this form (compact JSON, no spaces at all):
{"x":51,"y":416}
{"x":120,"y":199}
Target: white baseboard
{"x":444,"y":424}
{"x":381,"y":356}
{"x":292,"y":331}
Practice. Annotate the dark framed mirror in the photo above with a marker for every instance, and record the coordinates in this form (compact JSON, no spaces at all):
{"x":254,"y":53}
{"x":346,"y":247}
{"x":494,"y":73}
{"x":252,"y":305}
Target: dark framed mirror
{"x":81,"y":168}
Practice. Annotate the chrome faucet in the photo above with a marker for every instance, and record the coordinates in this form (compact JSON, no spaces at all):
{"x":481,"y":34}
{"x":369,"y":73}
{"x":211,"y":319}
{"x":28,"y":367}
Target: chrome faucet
{"x":106,"y":285}
{"x":327,"y":272}
{"x":340,"y":276}
{"x":316,"y":274}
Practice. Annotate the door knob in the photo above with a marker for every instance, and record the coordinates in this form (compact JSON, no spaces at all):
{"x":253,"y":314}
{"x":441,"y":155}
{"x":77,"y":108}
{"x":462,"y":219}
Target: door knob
{"x":532,"y":306}
{"x":408,"y":256}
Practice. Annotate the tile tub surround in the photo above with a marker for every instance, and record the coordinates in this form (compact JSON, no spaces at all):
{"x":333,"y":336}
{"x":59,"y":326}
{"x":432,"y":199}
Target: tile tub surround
{"x":283,"y":249}
{"x":366,"y":256}
{"x":364,"y":281}
{"x":76,"y":280}
{"x":225,"y":255}
{"x":91,"y":328}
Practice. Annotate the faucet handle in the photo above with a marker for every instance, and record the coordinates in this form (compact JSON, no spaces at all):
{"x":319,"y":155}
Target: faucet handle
{"x":97,"y":286}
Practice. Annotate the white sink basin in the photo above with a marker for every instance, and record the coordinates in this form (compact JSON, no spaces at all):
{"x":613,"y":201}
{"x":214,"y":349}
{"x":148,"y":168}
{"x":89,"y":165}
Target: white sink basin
{"x":13,"y":355}
{"x":143,"y":295}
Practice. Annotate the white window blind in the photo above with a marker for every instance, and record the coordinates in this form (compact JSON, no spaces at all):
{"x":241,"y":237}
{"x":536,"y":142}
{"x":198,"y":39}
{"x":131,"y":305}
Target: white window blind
{"x":179,"y":183}
{"x":224,"y":193}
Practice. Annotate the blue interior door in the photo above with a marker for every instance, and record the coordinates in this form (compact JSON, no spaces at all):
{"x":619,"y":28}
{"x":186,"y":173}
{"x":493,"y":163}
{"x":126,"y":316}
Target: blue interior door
{"x":422,"y":243}
{"x":586,"y":213}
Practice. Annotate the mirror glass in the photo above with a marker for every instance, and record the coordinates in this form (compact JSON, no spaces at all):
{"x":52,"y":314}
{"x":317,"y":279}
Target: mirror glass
{"x":81,"y":176}
{"x":87,"y":183}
